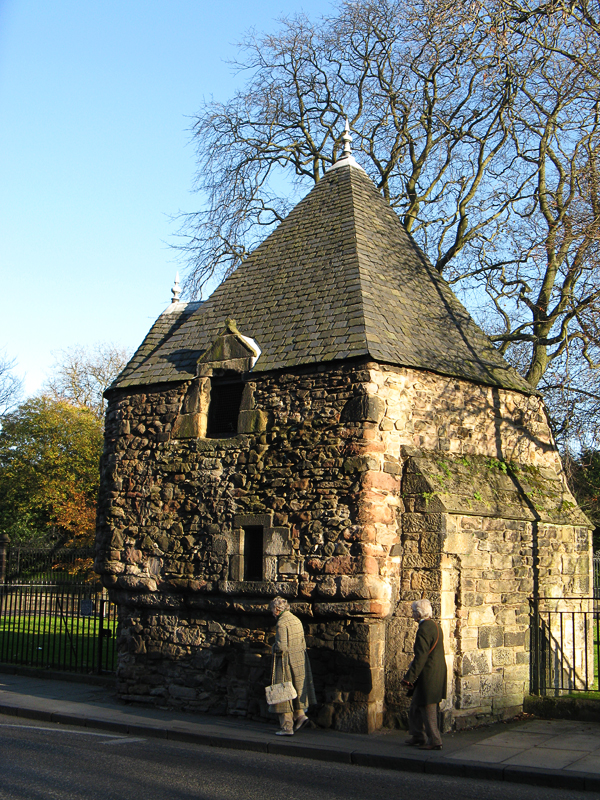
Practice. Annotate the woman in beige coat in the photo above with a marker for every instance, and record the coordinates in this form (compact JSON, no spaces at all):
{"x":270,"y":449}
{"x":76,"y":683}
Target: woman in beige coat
{"x":290,"y":662}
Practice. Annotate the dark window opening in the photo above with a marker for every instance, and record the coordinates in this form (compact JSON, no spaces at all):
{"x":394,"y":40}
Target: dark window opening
{"x":224,"y":409}
{"x":253,"y":554}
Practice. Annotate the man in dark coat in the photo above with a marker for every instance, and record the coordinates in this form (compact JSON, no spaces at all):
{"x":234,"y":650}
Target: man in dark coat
{"x":427,"y":678}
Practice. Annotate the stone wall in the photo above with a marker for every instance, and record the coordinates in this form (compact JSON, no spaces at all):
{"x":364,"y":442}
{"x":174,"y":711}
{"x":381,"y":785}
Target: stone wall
{"x":339,"y":466}
{"x":168,"y":547}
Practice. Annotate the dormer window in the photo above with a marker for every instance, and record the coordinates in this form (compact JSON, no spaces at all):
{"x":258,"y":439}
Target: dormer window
{"x":224,"y":409}
{"x":218,"y":404}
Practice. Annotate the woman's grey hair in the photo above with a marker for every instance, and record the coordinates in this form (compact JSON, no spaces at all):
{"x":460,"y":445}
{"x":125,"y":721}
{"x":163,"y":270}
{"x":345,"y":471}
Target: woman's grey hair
{"x":422,"y":608}
{"x":279,"y":604}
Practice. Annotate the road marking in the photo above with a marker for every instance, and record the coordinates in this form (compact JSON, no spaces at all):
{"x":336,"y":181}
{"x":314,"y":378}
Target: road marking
{"x":63,"y":730}
{"x":124,"y":740}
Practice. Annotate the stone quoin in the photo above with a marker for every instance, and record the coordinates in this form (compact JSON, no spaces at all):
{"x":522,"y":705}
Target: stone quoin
{"x":330,"y":426}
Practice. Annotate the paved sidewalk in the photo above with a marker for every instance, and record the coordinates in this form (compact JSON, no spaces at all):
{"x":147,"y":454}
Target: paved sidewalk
{"x":557,"y":753}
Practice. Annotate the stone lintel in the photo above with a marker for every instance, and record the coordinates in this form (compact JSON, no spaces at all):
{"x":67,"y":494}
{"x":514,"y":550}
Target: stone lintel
{"x":266,"y":588}
{"x":253,"y":520}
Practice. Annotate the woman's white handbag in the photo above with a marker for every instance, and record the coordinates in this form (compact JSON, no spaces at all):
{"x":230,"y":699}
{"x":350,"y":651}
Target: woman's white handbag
{"x":279,"y":692}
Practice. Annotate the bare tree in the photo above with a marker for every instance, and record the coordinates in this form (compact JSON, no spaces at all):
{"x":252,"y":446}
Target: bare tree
{"x":11,"y":386}
{"x":478,"y":126}
{"x":577,"y":23}
{"x":427,"y":109}
{"x":80,"y":374}
{"x":542,"y":275}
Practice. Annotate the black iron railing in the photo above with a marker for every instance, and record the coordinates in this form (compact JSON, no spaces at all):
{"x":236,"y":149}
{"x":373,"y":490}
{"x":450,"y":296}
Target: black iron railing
{"x":26,"y":564}
{"x":68,"y":627}
{"x":565,"y":645}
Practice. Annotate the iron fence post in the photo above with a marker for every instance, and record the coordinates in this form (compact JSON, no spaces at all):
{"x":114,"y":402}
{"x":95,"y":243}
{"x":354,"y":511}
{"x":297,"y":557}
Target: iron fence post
{"x":100,"y":635}
{"x":535,"y":645}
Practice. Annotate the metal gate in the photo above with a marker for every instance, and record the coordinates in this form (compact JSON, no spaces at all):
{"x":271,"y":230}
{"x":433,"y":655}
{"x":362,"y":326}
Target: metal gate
{"x":565,"y":645}
{"x":68,"y":627}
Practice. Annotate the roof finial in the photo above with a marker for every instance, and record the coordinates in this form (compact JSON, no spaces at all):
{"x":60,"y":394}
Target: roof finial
{"x":346,"y":158}
{"x":347,"y":139}
{"x":176,"y":291}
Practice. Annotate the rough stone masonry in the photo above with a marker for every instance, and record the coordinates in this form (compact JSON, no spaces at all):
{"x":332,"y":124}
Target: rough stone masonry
{"x":330,"y":426}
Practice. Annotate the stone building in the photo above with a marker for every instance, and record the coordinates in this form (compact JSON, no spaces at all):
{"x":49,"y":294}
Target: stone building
{"x":330,"y":426}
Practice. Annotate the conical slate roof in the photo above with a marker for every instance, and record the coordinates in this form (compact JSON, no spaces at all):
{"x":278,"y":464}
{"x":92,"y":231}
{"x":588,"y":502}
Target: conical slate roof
{"x":339,"y":278}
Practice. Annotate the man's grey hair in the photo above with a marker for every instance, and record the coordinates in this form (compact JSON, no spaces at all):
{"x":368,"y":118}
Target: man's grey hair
{"x":422,"y":608}
{"x":279,"y":604}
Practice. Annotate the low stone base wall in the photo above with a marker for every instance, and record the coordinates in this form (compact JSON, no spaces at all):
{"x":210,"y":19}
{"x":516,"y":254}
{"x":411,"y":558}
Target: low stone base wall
{"x":220,"y":664}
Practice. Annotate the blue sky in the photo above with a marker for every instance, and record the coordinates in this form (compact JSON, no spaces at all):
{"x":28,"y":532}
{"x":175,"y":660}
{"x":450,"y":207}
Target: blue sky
{"x":96,"y":101}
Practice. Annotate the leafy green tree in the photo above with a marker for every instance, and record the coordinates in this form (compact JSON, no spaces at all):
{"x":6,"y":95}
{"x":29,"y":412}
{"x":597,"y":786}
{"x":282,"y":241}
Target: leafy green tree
{"x":49,"y":455}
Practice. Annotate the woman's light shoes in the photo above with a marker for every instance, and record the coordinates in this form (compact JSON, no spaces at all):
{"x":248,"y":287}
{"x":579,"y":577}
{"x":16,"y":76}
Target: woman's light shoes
{"x":298,"y":725}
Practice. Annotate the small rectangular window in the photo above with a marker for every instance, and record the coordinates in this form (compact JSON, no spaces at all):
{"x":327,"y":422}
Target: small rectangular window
{"x":253,"y":553}
{"x":224,"y":409}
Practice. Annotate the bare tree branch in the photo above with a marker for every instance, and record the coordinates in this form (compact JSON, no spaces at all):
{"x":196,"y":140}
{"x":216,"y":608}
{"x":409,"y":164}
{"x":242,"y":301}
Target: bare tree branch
{"x":480,"y":125}
{"x":11,"y":387}
{"x":80,"y":375}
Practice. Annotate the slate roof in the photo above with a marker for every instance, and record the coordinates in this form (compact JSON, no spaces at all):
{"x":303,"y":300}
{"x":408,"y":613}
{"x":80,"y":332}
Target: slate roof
{"x":339,"y":278}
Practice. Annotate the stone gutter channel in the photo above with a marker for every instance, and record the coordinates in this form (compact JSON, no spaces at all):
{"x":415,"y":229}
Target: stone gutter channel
{"x":486,"y":753}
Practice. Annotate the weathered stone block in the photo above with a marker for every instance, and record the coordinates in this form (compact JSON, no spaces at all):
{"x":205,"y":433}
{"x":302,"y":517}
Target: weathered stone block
{"x":492,"y":636}
{"x":269,"y":568}
{"x":253,"y":421}
{"x":502,"y":656}
{"x":277,"y":541}
{"x":422,"y":522}
{"x":516,"y":638}
{"x":288,"y":567}
{"x":476,"y":664}
{"x":182,"y":692}
{"x":482,"y":616}
{"x":364,"y":408}
{"x":491,"y":685}
{"x":187,"y":426}
{"x":517,"y":673}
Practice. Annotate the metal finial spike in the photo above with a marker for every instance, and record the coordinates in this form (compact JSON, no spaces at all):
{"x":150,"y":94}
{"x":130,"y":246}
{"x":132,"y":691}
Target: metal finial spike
{"x":176,"y":291}
{"x":346,"y":158}
{"x":347,"y":139}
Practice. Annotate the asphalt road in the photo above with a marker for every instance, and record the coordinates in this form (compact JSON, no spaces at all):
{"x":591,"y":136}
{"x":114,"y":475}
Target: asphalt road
{"x":42,"y":761}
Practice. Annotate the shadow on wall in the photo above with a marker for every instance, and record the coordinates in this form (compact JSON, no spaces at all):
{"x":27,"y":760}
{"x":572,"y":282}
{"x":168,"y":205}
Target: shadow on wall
{"x":517,"y":483}
{"x":230,"y":679}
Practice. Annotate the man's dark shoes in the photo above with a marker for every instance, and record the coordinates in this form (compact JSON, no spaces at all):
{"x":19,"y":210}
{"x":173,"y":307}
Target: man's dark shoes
{"x":414,"y":741}
{"x":430,"y":747}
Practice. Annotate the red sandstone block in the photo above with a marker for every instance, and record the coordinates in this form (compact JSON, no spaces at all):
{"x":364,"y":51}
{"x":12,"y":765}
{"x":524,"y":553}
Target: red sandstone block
{"x":381,"y":480}
{"x":375,"y":512}
{"x":368,"y":533}
{"x":370,"y":435}
{"x":339,"y":565}
{"x":370,"y":565}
